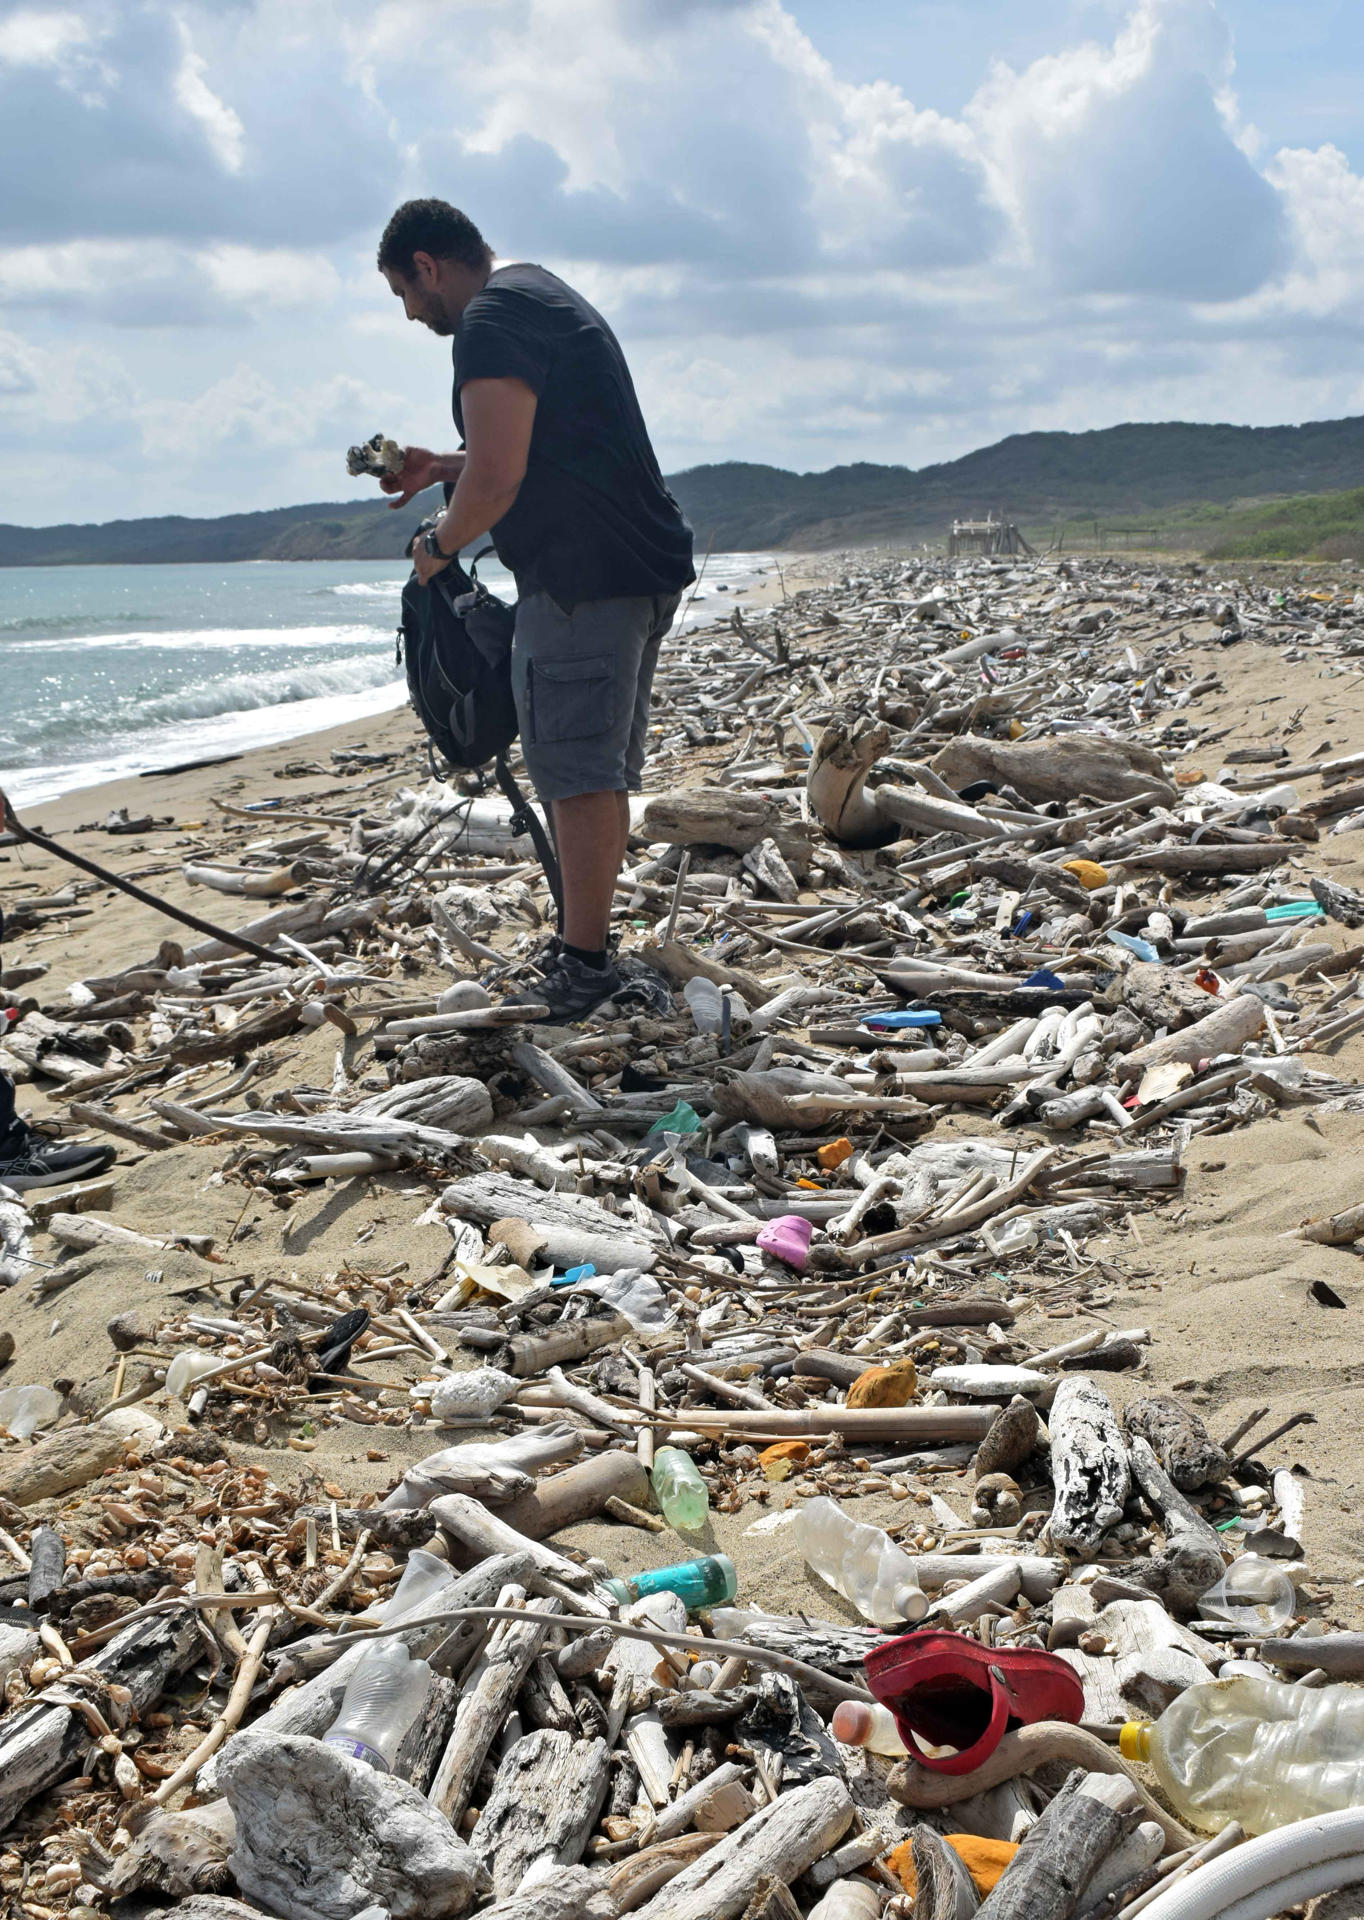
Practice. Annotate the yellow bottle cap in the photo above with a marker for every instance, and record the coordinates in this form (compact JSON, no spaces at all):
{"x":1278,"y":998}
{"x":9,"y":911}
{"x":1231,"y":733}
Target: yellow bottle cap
{"x":1134,"y":1742}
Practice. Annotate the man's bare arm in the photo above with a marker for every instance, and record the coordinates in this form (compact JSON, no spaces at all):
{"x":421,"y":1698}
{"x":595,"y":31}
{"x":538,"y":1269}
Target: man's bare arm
{"x":499,"y":417}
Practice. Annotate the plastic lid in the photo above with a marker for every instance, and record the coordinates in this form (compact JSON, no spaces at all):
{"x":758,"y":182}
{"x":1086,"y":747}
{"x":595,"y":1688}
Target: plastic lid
{"x":1134,"y":1742}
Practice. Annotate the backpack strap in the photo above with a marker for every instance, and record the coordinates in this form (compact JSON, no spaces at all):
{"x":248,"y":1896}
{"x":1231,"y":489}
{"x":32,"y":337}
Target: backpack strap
{"x":526,"y":820}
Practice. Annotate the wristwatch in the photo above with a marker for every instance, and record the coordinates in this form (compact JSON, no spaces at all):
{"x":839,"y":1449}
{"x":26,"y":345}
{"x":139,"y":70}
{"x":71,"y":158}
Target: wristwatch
{"x":433,"y":546}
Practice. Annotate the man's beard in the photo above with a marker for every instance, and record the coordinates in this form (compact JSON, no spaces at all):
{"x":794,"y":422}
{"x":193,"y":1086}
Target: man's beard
{"x":435,"y":318}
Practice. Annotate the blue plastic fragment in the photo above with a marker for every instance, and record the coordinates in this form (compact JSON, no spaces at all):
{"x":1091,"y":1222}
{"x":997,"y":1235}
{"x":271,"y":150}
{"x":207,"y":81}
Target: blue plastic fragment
{"x":919,"y":1017}
{"x":584,"y":1272}
{"x":1052,"y":982}
{"x":1134,"y":944}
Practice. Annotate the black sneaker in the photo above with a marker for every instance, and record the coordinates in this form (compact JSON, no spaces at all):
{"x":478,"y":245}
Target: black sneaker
{"x":35,"y":1162}
{"x":569,"y":989}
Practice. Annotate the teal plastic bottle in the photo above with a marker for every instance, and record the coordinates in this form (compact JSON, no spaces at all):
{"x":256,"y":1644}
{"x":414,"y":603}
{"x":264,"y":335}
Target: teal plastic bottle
{"x":707,"y":1582}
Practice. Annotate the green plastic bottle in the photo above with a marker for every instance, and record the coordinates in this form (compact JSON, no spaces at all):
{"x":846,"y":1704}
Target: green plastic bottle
{"x":706,"y":1582}
{"x":682,"y":1495}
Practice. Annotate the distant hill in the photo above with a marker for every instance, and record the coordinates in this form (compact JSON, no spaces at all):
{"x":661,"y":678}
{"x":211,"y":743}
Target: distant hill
{"x":1321,"y":526}
{"x":1114,"y":473}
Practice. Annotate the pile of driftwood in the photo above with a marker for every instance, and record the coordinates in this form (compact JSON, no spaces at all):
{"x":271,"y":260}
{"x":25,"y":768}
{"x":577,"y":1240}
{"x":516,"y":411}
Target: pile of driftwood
{"x":939,"y":840}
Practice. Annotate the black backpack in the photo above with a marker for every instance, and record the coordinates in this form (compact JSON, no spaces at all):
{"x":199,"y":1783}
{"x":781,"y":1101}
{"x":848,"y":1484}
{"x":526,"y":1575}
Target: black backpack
{"x":455,"y":642}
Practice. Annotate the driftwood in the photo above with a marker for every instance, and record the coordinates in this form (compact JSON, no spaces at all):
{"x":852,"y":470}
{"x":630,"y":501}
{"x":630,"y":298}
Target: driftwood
{"x":496,"y":1471}
{"x":1179,"y":1440}
{"x":488,"y":1695}
{"x":1340,"y":1655}
{"x":782,"y":1840}
{"x":1067,"y":766}
{"x":1089,"y":1466}
{"x":578,"y":1493}
{"x":1192,"y":1559}
{"x":471,"y":1533}
{"x":576,"y":1229}
{"x":1225,"y":1030}
{"x":40,"y":1744}
{"x":1079,"y":1829}
{"x":321,"y":1835}
{"x":543,"y":1806}
{"x":716,"y":817}
{"x":843,"y":756}
{"x":69,"y":1458}
{"x":944,"y":1890}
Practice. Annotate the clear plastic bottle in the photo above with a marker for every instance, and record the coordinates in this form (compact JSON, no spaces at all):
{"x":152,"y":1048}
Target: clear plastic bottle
{"x":703,"y":997}
{"x":24,"y":1409}
{"x":707,"y":1582}
{"x":682,"y":1495}
{"x":1260,"y":1752}
{"x":384,"y":1696}
{"x":423,"y":1578}
{"x":858,"y":1725}
{"x":861,"y":1563}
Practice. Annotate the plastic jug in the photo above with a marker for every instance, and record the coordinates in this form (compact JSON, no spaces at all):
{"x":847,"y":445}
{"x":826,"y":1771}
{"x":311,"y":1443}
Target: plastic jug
{"x":385,"y":1694}
{"x":858,"y":1725}
{"x":1257,"y":1751}
{"x":787,"y":1238}
{"x":860,"y":1562}
{"x":707,"y":1582}
{"x":682,"y":1495}
{"x":24,"y":1409}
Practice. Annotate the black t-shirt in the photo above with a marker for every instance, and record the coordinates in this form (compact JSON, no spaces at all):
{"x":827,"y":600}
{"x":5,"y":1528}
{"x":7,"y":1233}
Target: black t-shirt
{"x":593,"y":518}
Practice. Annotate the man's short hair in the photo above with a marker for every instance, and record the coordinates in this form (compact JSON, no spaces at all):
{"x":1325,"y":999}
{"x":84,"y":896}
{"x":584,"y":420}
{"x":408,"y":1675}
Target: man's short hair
{"x":434,"y":227}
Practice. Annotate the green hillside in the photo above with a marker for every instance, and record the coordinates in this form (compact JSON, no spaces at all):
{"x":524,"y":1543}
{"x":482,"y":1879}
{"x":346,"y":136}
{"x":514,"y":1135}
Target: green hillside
{"x":1323,"y":526}
{"x":1199,"y":484}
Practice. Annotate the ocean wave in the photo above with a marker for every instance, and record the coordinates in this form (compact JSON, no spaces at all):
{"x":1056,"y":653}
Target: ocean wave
{"x":209,"y":639}
{"x":243,"y":692}
{"x":39,"y":623}
{"x":367,"y":589}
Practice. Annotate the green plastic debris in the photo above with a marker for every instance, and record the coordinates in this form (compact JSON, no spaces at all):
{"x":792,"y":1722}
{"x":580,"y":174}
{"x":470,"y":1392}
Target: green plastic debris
{"x":682,"y":1119}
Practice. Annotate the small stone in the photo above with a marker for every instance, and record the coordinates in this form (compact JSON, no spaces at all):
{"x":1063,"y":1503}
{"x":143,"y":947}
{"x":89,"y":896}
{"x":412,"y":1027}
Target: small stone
{"x":1010,"y":1440}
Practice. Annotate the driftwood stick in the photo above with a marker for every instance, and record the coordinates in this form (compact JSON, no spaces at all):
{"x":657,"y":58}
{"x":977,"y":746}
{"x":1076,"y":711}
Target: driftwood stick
{"x":1056,"y":1862}
{"x":782,"y":1841}
{"x":488,"y":1696}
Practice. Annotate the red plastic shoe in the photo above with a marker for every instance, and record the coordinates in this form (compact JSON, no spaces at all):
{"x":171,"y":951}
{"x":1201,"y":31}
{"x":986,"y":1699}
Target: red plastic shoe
{"x":949,"y":1691}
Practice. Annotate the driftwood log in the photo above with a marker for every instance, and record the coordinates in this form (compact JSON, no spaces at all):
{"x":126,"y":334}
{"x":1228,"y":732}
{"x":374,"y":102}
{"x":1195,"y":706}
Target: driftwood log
{"x":1179,"y":1440}
{"x":1067,"y":766}
{"x":42,"y":1743}
{"x":1078,"y":1830}
{"x":576,"y":1229}
{"x":781,"y":1841}
{"x":543,"y":1806}
{"x":1225,"y":1030}
{"x":843,"y":756}
{"x":1089,"y":1466}
{"x":491,"y":1689}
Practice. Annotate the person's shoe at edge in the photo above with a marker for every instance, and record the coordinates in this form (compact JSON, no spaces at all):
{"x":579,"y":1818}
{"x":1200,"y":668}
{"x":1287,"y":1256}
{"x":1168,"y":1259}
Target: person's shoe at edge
{"x":31,"y":1161}
{"x":569,"y":989}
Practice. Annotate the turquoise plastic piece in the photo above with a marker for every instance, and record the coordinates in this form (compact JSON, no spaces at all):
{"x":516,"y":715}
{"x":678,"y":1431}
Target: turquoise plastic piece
{"x":708,"y":1582}
{"x":1295,"y":910}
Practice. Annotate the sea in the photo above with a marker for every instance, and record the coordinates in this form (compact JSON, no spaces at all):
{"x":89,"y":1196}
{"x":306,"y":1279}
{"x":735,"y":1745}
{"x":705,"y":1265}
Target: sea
{"x":111,"y":671}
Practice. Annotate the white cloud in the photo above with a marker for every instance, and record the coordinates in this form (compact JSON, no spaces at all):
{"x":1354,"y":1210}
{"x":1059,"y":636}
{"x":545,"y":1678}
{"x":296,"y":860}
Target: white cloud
{"x":223,"y":130}
{"x":803,"y":268}
{"x":32,"y":38}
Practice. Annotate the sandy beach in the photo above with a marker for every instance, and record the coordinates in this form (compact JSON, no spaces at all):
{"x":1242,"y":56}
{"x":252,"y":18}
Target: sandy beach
{"x":1224,"y":1295}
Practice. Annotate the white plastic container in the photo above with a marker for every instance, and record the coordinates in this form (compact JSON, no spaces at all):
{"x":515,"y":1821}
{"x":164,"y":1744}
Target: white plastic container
{"x":188,"y":1367}
{"x":424,"y":1577}
{"x":858,"y":1725}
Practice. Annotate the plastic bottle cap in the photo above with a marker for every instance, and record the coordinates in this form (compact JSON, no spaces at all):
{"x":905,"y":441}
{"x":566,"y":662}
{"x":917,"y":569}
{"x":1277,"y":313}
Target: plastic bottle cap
{"x":1134,"y":1742}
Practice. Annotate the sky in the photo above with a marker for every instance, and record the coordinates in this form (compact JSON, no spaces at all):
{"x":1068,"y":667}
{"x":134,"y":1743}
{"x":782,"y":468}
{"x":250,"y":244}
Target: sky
{"x":824,"y":230}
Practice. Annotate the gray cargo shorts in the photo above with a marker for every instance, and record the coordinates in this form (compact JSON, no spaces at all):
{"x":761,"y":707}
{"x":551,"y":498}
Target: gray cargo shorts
{"x":582,"y":682}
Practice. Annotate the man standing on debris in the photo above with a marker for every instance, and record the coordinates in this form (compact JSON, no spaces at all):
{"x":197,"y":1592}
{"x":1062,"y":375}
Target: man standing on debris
{"x":557,"y":466}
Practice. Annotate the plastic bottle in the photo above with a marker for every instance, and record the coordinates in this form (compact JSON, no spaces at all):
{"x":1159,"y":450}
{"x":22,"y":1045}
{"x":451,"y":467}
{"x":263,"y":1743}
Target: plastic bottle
{"x":423,"y":1578}
{"x":188,"y":1367}
{"x":706,"y":1582}
{"x":858,"y":1725}
{"x":1257,"y":1751}
{"x":386,"y":1693}
{"x":24,"y":1409}
{"x":682,"y":1495}
{"x":861,"y":1563}
{"x":703,"y":997}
